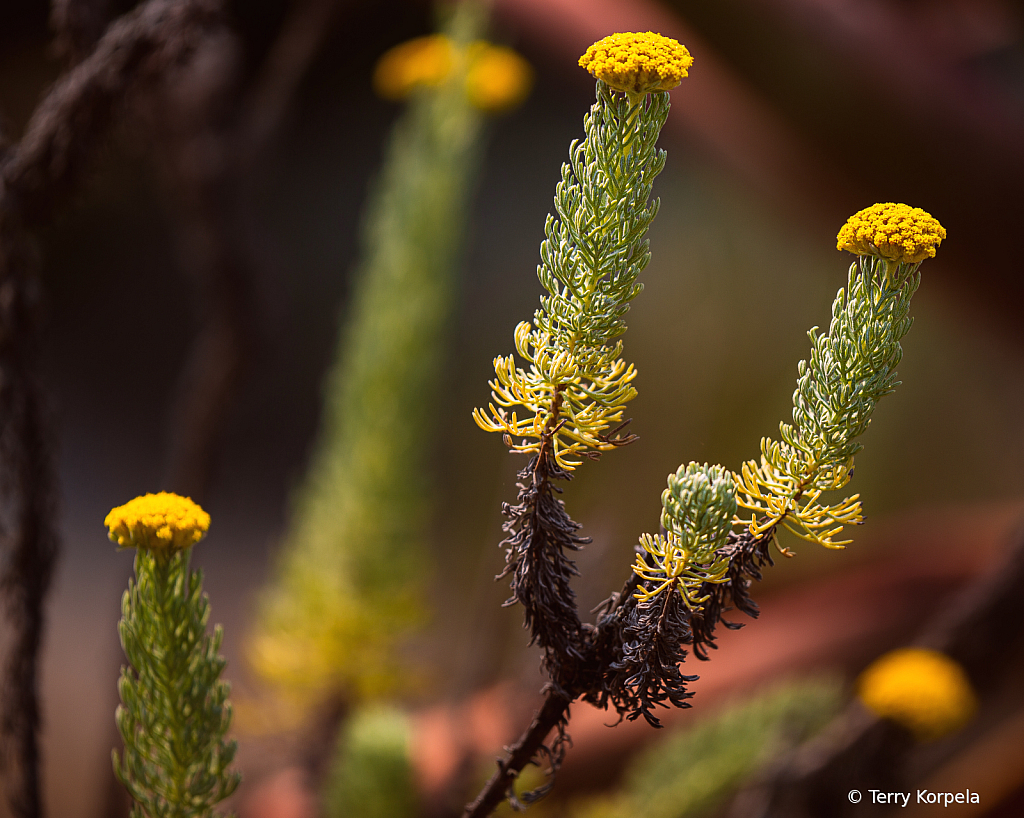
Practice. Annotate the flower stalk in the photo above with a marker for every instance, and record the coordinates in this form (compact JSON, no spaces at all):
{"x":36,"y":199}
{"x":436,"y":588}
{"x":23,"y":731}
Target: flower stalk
{"x":174,"y":713}
{"x":562,"y":406}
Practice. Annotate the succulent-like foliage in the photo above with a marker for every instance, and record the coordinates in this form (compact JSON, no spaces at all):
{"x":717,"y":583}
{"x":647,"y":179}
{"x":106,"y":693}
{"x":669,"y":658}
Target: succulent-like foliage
{"x":175,"y":712}
{"x":698,"y":506}
{"x":577,"y":384}
{"x":850,"y":369}
{"x":372,"y":773}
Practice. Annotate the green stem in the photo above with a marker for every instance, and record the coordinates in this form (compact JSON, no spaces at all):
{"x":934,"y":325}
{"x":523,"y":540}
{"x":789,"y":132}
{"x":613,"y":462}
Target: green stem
{"x":166,"y":570}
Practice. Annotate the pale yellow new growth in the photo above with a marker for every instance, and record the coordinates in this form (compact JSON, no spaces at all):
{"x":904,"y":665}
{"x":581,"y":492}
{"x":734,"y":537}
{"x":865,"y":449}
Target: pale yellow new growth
{"x":638,"y":63}
{"x":896,"y":232}
{"x":790,"y":496}
{"x":496,"y":78}
{"x":923,"y":690}
{"x":589,"y":403}
{"x":157,"y":522}
{"x":674,"y":565}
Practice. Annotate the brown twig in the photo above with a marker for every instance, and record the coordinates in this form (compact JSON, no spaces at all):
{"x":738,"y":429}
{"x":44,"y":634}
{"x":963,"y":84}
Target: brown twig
{"x":551,"y":714}
{"x":75,"y":116}
{"x":64,"y":130}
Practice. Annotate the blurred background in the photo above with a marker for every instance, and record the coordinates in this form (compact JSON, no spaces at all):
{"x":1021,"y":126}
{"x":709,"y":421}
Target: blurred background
{"x":796,"y":114}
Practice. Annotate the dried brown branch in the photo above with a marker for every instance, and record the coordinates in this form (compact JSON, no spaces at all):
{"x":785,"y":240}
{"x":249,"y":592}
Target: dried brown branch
{"x":552,"y":714}
{"x":622,"y":664}
{"x":267,"y":102}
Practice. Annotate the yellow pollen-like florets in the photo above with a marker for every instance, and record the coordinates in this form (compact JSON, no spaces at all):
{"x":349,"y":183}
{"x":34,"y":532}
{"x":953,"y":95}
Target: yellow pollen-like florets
{"x":158,"y":522}
{"x":923,"y":690}
{"x":424,"y":62}
{"x":497,"y":78}
{"x":896,"y":232}
{"x":638,"y":63}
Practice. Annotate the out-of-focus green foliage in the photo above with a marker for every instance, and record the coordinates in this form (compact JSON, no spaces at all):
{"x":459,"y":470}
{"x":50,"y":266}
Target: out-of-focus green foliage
{"x":690,"y":773}
{"x":352,"y":567}
{"x":372,"y":775}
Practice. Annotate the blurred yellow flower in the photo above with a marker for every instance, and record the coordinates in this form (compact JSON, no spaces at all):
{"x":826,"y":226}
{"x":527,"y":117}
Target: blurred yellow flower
{"x":638,"y":63}
{"x":424,"y":62}
{"x":158,"y":522}
{"x":896,"y":232}
{"x":924,"y":690}
{"x":497,"y":78}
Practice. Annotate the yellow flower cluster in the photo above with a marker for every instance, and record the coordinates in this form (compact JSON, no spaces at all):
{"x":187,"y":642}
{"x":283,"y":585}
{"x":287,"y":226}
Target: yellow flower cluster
{"x":496,"y":78}
{"x":895,"y":232}
{"x":158,"y":522}
{"x":424,"y":62}
{"x":638,"y":63}
{"x":924,"y":690}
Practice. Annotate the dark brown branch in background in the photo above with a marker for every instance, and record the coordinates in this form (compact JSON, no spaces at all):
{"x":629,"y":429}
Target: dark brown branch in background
{"x":267,"y":102}
{"x":28,"y":536}
{"x":77,"y":25}
{"x":209,"y":134}
{"x":982,"y":629}
{"x":75,"y":116}
{"x":36,"y":175}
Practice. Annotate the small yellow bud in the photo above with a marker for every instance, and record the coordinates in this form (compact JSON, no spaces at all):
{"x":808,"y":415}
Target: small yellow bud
{"x":924,"y":690}
{"x":637,"y":63}
{"x":158,"y":522}
{"x":895,"y":232}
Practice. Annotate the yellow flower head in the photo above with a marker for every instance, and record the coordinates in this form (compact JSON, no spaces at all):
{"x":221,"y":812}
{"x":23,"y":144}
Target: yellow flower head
{"x":497,"y":78}
{"x":638,"y":63}
{"x":424,"y":62}
{"x":923,"y":690}
{"x":158,"y":522}
{"x":896,"y":232}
